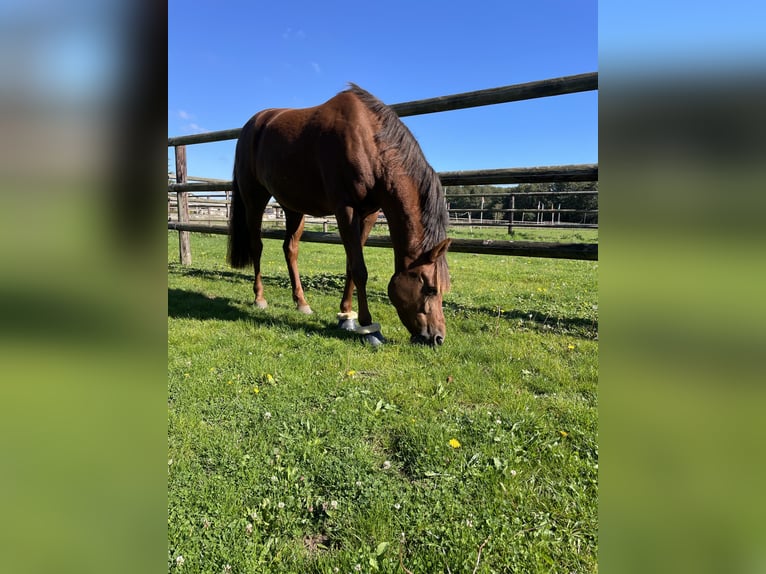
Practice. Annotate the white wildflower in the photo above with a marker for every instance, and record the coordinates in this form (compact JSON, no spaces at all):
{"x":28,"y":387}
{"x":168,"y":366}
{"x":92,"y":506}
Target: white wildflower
{"x":179,"y":560}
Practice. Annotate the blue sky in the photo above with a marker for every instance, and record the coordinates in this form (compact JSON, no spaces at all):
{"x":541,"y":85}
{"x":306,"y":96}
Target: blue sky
{"x":228,"y":60}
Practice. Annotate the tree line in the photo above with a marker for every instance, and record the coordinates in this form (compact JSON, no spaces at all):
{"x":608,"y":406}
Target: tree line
{"x":526,"y":197}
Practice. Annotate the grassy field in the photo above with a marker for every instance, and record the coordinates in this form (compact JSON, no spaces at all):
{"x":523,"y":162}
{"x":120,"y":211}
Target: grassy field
{"x":292,"y":447}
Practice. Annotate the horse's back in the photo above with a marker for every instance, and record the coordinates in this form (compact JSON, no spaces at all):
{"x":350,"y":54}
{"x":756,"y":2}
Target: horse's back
{"x":312,"y":159}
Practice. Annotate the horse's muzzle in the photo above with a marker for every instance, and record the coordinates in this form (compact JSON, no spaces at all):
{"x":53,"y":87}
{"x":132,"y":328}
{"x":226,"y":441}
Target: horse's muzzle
{"x":437,"y":340}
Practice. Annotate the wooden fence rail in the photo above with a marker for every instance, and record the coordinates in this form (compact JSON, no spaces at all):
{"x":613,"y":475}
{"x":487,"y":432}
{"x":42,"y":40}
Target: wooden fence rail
{"x":586,"y":251}
{"x":547,"y":174}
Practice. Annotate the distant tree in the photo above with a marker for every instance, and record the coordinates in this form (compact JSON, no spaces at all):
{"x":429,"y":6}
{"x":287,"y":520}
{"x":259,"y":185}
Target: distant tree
{"x":556,"y":196}
{"x":470,"y":197}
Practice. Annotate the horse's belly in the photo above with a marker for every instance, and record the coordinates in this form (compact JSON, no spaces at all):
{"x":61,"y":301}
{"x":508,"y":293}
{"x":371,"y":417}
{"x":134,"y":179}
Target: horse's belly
{"x":303,"y":197}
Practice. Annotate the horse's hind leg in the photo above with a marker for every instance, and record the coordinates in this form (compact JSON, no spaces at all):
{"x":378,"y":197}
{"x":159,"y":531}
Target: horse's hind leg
{"x":293,"y":231}
{"x":259,"y":199}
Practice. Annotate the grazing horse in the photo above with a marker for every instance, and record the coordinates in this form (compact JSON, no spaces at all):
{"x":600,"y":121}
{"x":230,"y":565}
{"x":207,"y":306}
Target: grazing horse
{"x":350,"y":157}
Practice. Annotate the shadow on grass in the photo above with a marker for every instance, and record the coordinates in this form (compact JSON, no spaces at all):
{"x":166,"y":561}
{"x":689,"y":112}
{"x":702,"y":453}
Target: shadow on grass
{"x":578,"y":326}
{"x":213,"y":275}
{"x":194,"y":305}
{"x":327,"y":283}
{"x":204,"y":307}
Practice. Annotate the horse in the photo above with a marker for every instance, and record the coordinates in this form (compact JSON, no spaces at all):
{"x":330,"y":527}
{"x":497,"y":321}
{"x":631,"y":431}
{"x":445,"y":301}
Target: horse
{"x":350,"y":157}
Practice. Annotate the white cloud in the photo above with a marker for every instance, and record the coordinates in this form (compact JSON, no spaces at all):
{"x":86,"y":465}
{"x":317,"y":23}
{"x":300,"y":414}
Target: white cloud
{"x":290,"y":34}
{"x":184,"y":115}
{"x":194,"y":128}
{"x":316,"y":67}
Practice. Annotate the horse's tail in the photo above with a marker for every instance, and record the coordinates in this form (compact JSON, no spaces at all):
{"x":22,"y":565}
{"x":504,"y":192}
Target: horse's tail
{"x":238,"y":254}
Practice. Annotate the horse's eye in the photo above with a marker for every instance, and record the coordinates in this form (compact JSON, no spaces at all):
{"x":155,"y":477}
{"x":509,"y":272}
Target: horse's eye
{"x":430,"y":291}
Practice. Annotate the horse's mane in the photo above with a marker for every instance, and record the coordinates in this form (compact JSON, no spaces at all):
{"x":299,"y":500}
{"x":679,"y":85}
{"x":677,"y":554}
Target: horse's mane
{"x":395,"y":137}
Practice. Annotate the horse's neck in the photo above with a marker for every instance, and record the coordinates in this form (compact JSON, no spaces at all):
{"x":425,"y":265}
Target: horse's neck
{"x":406,"y":229}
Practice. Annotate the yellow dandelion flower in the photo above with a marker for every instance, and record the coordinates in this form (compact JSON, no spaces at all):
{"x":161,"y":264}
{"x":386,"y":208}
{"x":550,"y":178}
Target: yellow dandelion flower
{"x":256,"y":390}
{"x":570,"y":346}
{"x":229,"y":382}
{"x":350,"y":373}
{"x":564,"y":433}
{"x":269,"y":378}
{"x":454,"y":443}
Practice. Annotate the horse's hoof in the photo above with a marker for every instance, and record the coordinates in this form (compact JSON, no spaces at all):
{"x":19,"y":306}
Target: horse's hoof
{"x":367,"y":329}
{"x":375,"y":339}
{"x":347,"y":321}
{"x":348,"y":324}
{"x":261,"y":304}
{"x":305,"y":309}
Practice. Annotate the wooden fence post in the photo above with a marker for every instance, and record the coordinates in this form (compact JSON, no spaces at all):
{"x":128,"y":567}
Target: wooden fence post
{"x":184,"y":243}
{"x":513,"y":211}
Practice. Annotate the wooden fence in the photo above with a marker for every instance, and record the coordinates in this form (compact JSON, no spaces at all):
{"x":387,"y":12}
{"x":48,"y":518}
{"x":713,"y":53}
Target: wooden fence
{"x":550,"y":174}
{"x":214,"y":207}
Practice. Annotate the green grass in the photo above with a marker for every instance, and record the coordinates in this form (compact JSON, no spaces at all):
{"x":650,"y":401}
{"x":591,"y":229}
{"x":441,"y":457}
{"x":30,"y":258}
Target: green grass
{"x":292,"y":447}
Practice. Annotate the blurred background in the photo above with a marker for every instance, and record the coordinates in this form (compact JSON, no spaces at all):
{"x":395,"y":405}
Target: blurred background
{"x":682,"y":144}
{"x":82,"y":296}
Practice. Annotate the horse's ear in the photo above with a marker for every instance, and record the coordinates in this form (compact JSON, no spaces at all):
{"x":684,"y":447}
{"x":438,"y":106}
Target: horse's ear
{"x":439,"y":250}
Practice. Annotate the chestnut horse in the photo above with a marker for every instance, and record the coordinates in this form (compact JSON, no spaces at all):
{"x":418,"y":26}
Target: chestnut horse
{"x":350,"y":157}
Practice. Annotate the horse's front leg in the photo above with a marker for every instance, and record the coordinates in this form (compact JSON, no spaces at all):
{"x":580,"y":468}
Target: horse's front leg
{"x":347,"y":316}
{"x":351,"y":232}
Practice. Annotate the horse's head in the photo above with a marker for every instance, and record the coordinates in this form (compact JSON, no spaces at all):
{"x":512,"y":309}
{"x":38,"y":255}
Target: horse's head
{"x":416,"y":292}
